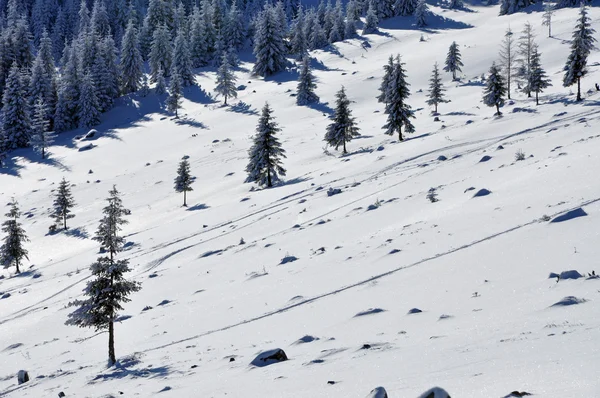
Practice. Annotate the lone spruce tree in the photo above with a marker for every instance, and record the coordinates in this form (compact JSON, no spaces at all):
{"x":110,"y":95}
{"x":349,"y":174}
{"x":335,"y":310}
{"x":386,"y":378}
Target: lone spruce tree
{"x":225,"y":80}
{"x":453,"y":60}
{"x":265,"y":154}
{"x":436,"y":89}
{"x":12,"y":251}
{"x":495,"y":90}
{"x":306,"y":85}
{"x":63,"y":203}
{"x":184,"y":180}
{"x":538,"y":80}
{"x":343,"y":129}
{"x":108,"y":289}
{"x":175,"y":93}
{"x":581,"y":46}
{"x":398,"y":111}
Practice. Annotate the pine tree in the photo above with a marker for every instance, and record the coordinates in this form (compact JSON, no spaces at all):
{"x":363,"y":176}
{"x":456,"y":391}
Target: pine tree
{"x":306,"y":85}
{"x":398,"y":111}
{"x":12,"y":251}
{"x":108,"y":290}
{"x":525,"y":49}
{"x":182,"y":62}
{"x":184,"y":180}
{"x":547,"y":17}
{"x":269,"y":47}
{"x":89,"y":109}
{"x":225,"y":80}
{"x":235,"y":29}
{"x":62,"y":205}
{"x":350,"y":23}
{"x":105,"y":74}
{"x":385,"y":81}
{"x":581,"y":46}
{"x":405,"y":8}
{"x":41,"y":137}
{"x":132,"y":63}
{"x":421,"y":14}
{"x":508,"y":7}
{"x":495,"y":90}
{"x":436,"y":89}
{"x":161,"y":84}
{"x":371,"y":20}
{"x":145,"y":89}
{"x":538,"y":80}
{"x":316,"y":37}
{"x":298,"y":42}
{"x":175,"y":93}
{"x":456,"y":5}
{"x":43,"y":75}
{"x":343,"y":129}
{"x":160,"y":52}
{"x":68,"y":92}
{"x":453,"y":60}
{"x":507,"y":58}
{"x":15,"y":115}
{"x":99,"y":21}
{"x":265,"y":165}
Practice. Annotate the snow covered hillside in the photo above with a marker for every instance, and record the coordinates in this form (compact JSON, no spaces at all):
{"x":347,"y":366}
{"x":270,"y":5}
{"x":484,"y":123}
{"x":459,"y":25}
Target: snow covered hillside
{"x":336,"y":281}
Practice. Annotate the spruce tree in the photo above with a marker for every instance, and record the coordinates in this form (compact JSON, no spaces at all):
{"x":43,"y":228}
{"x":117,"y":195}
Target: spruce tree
{"x":161,"y":84}
{"x":15,"y":115}
{"x":184,"y":180}
{"x":298,"y":41}
{"x":89,"y":109}
{"x":105,"y":74}
{"x":12,"y":251}
{"x":175,"y":93}
{"x":265,"y":165}
{"x":108,"y":289}
{"x":436,"y":89}
{"x":456,"y":5}
{"x":385,"y":81}
{"x":538,"y":80}
{"x":132,"y":63}
{"x":225,"y":80}
{"x":269,"y":47}
{"x":62,"y":205}
{"x":398,"y":111}
{"x":343,"y":128}
{"x":508,"y":58}
{"x":547,"y":17}
{"x":405,"y":8}
{"x":421,"y":14}
{"x":371,"y":20}
{"x":525,"y":49}
{"x":581,"y":46}
{"x":235,"y":29}
{"x":306,"y":85}
{"x":495,"y":90}
{"x":41,"y":137}
{"x":160,"y":52}
{"x":453,"y":60}
{"x":182,"y":63}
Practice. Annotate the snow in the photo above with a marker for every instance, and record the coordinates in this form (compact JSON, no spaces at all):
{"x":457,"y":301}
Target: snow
{"x":485,"y":261}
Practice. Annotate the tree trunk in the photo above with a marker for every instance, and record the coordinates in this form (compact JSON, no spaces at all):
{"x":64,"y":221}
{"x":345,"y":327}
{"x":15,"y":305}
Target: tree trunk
{"x":579,"y":89}
{"x":436,"y":107}
{"x":65,"y":220}
{"x":537,"y":102}
{"x":184,"y":198}
{"x":497,"y":109}
{"x":225,"y":100}
{"x":17,"y":265}
{"x":400,"y":134}
{"x":508,"y":82}
{"x":269,"y":183}
{"x":345,"y":151}
{"x":453,"y":75}
{"x":111,"y":344}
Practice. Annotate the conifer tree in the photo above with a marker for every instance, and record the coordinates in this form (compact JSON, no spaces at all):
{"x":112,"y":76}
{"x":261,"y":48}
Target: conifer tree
{"x":507,"y":58}
{"x":456,"y":5}
{"x":436,"y":89}
{"x":547,"y":17}
{"x":235,"y":29}
{"x":269,"y":47}
{"x":538,"y":80}
{"x":298,"y":43}
{"x":184,"y":180}
{"x":68,"y":92}
{"x":265,"y":166}
{"x":15,"y":115}
{"x":160,"y":52}
{"x":350,"y":22}
{"x":581,"y":46}
{"x":108,"y":289}
{"x":198,"y":39}
{"x":89,"y":109}
{"x":145,"y":89}
{"x":317,"y":37}
{"x":398,"y":111}
{"x":105,"y":74}
{"x":225,"y":80}
{"x":161,"y":84}
{"x":182,"y":63}
{"x":62,"y":205}
{"x":495,"y":90}
{"x":43,"y":76}
{"x":525,"y":49}
{"x":343,"y":128}
{"x":306,"y":85}
{"x":175,"y":93}
{"x":453,"y":60}
{"x":371,"y":20}
{"x":405,"y":8}
{"x":41,"y":137}
{"x":132,"y":63}
{"x":12,"y":251}
{"x":421,"y":14}
{"x":385,"y":81}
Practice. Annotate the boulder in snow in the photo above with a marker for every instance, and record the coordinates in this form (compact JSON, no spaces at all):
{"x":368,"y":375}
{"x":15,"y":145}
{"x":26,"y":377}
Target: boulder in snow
{"x":435,"y":392}
{"x":269,"y":357}
{"x":378,"y":392}
{"x":569,"y":300}
{"x":22,"y":376}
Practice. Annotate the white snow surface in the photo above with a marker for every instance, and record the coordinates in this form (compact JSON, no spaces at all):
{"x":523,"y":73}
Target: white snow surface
{"x":477,"y":267}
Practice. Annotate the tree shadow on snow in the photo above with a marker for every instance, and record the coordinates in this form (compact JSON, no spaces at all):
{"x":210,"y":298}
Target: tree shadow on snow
{"x":197,"y":94}
{"x":434,"y":22}
{"x":79,"y":233}
{"x":186,"y":121}
{"x":322,"y":107}
{"x":200,"y":206}
{"x":243,"y":108}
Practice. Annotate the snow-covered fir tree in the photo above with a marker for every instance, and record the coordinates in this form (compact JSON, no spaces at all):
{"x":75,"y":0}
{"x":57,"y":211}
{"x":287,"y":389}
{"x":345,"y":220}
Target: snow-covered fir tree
{"x":350,"y":21}
{"x":198,"y":39}
{"x":495,"y":90}
{"x":66,"y":114}
{"x":174,"y":99}
{"x":453,"y":60}
{"x":63,"y":204}
{"x":105,"y":74}
{"x":161,"y":84}
{"x":12,"y":251}
{"x":436,"y":94}
{"x":43,"y":76}
{"x":89,"y":109}
{"x":15,"y":114}
{"x":145,"y":88}
{"x":182,"y":62}
{"x":184,"y":179}
{"x":456,"y":4}
{"x":265,"y":165}
{"x":421,"y":14}
{"x":525,"y":47}
{"x":108,"y":289}
{"x":398,"y":111}
{"x":538,"y":80}
{"x":371,"y":20}
{"x":298,"y":41}
{"x":132,"y":64}
{"x":226,"y":79}
{"x":508,"y":58}
{"x":269,"y":47}
{"x":343,"y":128}
{"x":547,"y":17}
{"x":99,"y":20}
{"x":405,"y":8}
{"x":508,"y":7}
{"x":41,"y":136}
{"x":317,"y":37}
{"x":306,"y":84}
{"x":235,"y":27}
{"x":385,"y":81}
{"x":161,"y":52}
{"x":581,"y":46}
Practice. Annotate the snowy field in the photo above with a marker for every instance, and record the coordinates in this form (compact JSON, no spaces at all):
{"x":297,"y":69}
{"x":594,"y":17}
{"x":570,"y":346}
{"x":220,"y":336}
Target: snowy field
{"x":476,"y":266}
